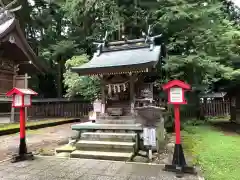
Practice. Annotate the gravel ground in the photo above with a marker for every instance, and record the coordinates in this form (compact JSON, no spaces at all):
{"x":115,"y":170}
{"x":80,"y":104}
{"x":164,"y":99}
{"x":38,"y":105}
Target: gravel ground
{"x":38,"y":141}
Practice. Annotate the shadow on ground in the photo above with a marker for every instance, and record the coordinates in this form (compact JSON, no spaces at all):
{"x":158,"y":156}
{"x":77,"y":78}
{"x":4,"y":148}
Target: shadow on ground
{"x":227,"y":127}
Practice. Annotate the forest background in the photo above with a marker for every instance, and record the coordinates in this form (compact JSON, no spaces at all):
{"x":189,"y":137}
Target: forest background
{"x":202,"y":39}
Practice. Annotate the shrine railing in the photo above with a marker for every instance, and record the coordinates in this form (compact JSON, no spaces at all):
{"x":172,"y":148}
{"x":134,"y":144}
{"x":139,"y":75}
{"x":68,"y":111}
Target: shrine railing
{"x":59,"y":109}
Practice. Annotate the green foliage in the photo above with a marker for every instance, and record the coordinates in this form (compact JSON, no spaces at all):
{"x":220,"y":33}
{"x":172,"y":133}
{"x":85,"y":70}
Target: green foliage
{"x":201,"y":36}
{"x":201,"y":41}
{"x":169,"y":122}
{"x":87,"y":87}
{"x":215,"y":152}
{"x":194,"y":122}
{"x":95,"y":16}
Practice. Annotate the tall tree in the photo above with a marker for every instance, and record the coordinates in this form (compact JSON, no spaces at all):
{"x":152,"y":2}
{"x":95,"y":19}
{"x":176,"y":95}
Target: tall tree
{"x":199,"y":36}
{"x":202,"y":40}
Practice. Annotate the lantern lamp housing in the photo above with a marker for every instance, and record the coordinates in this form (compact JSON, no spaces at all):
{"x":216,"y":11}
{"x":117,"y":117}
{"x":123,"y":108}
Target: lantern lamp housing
{"x":21,"y":97}
{"x":176,"y":90}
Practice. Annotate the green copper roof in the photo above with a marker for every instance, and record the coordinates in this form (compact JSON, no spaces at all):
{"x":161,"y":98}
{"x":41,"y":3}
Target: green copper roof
{"x":120,"y":61}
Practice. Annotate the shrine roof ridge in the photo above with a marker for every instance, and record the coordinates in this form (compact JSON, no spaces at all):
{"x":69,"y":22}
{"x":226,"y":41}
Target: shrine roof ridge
{"x":125,"y":47}
{"x":127,"y":42}
{"x":7,"y":11}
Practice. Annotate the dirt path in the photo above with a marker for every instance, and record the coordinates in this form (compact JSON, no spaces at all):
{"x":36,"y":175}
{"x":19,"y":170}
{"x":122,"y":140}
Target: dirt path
{"x":46,"y":139}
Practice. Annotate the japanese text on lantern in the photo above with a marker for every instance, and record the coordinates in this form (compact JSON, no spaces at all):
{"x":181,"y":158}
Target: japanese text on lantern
{"x":176,"y":95}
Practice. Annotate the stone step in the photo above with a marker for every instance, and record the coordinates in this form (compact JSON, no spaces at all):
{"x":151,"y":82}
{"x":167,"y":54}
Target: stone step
{"x":115,"y":121}
{"x":106,"y":146}
{"x":116,"y":117}
{"x":65,"y":149}
{"x":95,"y":126}
{"x":63,"y":154}
{"x":103,"y":136}
{"x":115,"y":156}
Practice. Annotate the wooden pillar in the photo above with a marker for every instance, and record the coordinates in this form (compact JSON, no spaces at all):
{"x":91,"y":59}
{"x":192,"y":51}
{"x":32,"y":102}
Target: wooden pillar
{"x":59,"y":80}
{"x":132,"y":92}
{"x":12,"y":116}
{"x":19,"y":81}
{"x":233,"y":109}
{"x":26,"y":86}
{"x":103,"y":96}
{"x":15,"y":70}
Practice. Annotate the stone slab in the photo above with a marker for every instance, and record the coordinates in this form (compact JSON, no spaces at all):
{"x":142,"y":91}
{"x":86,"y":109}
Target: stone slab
{"x":115,"y":121}
{"x":116,"y":117}
{"x":63,"y":154}
{"x":94,"y":126}
{"x":104,"y":136}
{"x":65,"y":149}
{"x":85,"y":169}
{"x":116,"y":156}
{"x":110,"y":146}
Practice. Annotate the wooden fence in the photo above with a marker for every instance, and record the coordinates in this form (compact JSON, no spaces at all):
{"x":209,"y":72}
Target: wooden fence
{"x":59,"y":109}
{"x":79,"y":109}
{"x":208,"y":109}
{"x":215,"y":108}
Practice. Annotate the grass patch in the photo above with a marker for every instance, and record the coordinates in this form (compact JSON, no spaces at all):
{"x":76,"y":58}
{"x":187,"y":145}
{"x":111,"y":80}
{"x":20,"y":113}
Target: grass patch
{"x":217,"y":154}
{"x":220,"y":118}
{"x":30,"y":123}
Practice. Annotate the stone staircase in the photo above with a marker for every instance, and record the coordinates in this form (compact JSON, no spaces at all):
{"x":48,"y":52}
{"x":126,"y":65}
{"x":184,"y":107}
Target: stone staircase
{"x":110,"y":138}
{"x":116,"y":120}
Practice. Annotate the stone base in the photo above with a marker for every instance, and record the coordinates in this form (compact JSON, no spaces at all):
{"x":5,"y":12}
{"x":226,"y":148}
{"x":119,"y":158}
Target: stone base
{"x":22,"y":157}
{"x":116,"y":156}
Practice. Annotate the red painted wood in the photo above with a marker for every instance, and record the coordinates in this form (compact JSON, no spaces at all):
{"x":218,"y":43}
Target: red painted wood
{"x":177,"y":83}
{"x":21,"y":91}
{"x":22,"y":122}
{"x":177,"y":123}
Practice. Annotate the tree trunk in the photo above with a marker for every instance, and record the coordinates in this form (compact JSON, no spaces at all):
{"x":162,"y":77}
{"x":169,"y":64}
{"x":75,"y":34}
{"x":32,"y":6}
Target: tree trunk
{"x":59,"y":80}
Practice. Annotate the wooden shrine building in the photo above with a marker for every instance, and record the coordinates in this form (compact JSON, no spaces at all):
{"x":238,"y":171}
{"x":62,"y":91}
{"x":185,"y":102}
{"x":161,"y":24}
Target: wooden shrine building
{"x":17,"y":59}
{"x":124,"y":68}
{"x":127,"y":70}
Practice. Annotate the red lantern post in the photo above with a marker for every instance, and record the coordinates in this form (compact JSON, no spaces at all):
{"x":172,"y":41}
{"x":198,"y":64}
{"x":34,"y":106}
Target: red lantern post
{"x":175,"y":90}
{"x":22,"y":98}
